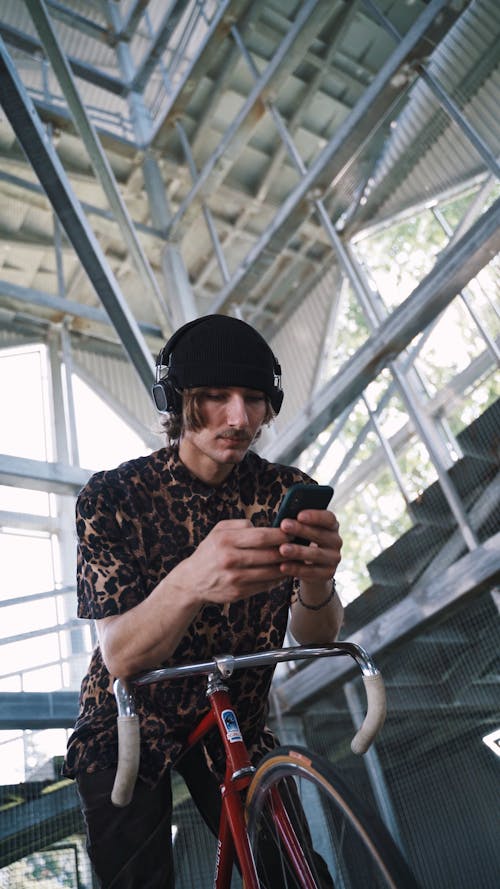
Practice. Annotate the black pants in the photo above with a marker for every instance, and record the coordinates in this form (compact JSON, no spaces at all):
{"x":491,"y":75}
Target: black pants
{"x":131,"y":848}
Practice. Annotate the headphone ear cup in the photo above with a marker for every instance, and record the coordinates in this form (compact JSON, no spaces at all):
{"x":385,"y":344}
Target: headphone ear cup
{"x":167,"y":398}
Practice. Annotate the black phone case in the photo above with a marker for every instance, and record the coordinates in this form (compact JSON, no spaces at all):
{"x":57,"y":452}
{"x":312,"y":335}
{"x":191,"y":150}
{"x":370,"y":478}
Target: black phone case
{"x":302,"y":496}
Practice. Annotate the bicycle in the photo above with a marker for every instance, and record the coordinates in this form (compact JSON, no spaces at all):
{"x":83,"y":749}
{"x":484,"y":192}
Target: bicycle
{"x":290,"y":822}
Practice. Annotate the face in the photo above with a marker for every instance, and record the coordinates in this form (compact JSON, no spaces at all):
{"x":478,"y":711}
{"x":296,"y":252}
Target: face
{"x":231,"y":418}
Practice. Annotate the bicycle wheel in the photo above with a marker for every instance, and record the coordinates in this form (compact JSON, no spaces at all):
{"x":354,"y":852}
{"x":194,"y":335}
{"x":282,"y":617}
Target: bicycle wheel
{"x":344,"y":845}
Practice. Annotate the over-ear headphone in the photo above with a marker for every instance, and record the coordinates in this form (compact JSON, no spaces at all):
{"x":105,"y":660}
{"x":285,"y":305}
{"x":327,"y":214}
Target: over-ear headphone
{"x":216,"y":367}
{"x":167,"y":394}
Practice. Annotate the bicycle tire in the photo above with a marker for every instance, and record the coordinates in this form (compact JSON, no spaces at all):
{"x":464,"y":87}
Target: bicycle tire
{"x":346,"y":846}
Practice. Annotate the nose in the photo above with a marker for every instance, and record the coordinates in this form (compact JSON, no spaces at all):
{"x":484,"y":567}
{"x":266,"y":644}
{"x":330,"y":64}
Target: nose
{"x":237,"y":414}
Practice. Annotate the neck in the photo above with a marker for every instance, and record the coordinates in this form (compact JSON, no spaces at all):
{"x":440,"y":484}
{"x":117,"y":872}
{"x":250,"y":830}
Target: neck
{"x":204,"y":468}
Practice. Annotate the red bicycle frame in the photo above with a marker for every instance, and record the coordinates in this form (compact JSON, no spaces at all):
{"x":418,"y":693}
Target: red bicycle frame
{"x":233,"y":840}
{"x":239,"y":770}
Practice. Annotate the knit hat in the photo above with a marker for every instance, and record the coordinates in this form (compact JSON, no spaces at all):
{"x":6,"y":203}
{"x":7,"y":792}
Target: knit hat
{"x":219,"y":351}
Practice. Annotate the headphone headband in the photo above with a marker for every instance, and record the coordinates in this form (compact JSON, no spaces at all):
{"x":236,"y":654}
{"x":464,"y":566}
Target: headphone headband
{"x":166,"y":352}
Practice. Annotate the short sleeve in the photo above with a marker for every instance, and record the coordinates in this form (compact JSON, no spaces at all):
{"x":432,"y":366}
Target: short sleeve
{"x":109,"y":578}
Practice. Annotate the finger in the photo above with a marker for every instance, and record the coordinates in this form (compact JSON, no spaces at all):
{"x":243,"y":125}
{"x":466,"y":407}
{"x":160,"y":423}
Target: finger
{"x":320,"y":520}
{"x":240,"y":558}
{"x":297,"y":552}
{"x":321,"y":517}
{"x":257,"y":558}
{"x":324,"y":560}
{"x":325,"y":537}
{"x":249,"y":537}
{"x":228,"y":524}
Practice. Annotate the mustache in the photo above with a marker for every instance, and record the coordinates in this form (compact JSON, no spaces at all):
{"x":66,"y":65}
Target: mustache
{"x":238,"y":434}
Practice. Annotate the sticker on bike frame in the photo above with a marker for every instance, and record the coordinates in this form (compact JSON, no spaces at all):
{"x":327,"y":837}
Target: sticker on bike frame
{"x":231,"y":725}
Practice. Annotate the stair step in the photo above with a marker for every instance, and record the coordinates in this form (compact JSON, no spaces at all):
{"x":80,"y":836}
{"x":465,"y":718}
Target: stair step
{"x":396,"y":568}
{"x":469,"y":475}
{"x":36,"y":820}
{"x":406,"y":558}
{"x":482,"y":437}
{"x":369,"y":605}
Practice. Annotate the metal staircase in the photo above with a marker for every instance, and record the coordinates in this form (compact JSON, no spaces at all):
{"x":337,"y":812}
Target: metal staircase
{"x":475,"y":476}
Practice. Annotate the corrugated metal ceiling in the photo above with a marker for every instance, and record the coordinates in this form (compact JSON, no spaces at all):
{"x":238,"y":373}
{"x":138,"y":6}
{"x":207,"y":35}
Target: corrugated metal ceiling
{"x":403,"y":149}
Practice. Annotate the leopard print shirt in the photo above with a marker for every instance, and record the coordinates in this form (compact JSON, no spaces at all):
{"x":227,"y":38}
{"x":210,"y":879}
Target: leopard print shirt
{"x":135,"y":524}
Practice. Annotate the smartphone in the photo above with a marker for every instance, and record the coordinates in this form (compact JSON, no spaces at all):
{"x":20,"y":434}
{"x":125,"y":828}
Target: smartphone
{"x":299,"y":497}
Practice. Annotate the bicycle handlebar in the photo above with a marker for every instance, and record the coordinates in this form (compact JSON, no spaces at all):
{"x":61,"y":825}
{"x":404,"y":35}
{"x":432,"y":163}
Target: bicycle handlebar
{"x":128,"y":720}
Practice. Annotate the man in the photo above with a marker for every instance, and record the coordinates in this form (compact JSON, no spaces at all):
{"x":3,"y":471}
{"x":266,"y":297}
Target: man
{"x":178,"y":561}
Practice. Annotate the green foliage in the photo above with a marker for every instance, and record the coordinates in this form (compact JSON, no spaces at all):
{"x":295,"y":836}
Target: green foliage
{"x":50,"y":870}
{"x":395,"y":260}
{"x":371,"y":521}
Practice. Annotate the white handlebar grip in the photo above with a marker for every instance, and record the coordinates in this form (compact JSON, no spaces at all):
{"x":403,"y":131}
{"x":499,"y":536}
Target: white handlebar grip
{"x":129,"y":748}
{"x":375,"y":714}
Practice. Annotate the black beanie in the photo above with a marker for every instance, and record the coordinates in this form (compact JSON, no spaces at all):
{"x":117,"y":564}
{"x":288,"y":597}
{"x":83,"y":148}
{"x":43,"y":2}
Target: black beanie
{"x":217,"y":350}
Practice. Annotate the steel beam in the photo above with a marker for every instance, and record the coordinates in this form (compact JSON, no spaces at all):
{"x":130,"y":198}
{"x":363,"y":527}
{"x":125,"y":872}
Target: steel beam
{"x":27,"y":522}
{"x":340,"y":153}
{"x":229,"y":12}
{"x":468,"y":84}
{"x":83,"y":25}
{"x":450,"y":274}
{"x":341,"y":25}
{"x":97,"y":156}
{"x":89,"y":209}
{"x":222,"y":81}
{"x":168,"y":24}
{"x":442,"y":403}
{"x":37,"y":597}
{"x":61,"y":305}
{"x":182,"y":304}
{"x":68,"y":625}
{"x":46,"y":164}
{"x":409,"y":384}
{"x":308,"y":22}
{"x":134,"y":16}
{"x":32,"y":46}
{"x":20,"y":472}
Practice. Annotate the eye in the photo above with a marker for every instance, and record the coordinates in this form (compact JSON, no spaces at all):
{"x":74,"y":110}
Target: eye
{"x":215,"y":395}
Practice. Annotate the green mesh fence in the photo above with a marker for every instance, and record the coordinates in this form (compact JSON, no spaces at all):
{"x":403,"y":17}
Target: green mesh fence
{"x":194,"y":845}
{"x":63,"y":864}
{"x":439,"y":780}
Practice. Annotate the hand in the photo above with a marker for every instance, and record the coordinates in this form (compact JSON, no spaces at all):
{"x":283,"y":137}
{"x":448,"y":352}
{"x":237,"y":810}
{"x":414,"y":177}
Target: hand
{"x":320,"y":559}
{"x":234,"y":561}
